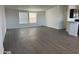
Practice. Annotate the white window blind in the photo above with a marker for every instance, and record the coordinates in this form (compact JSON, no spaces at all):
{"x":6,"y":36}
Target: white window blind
{"x":23,"y":17}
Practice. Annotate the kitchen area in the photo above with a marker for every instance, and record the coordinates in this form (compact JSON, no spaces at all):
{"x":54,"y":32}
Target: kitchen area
{"x":73,"y":20}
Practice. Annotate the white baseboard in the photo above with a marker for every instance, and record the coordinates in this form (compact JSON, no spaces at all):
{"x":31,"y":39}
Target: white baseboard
{"x":55,"y":27}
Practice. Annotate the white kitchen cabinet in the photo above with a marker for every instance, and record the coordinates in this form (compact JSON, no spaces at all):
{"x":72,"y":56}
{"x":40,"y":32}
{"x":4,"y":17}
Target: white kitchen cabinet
{"x":72,"y":28}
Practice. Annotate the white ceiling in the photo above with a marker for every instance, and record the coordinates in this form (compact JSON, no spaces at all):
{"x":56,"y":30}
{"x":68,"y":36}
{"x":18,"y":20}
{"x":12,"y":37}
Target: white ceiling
{"x":30,"y":7}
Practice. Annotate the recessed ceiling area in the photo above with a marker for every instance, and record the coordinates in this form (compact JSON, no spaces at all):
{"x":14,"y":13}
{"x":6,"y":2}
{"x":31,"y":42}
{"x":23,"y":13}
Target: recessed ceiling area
{"x":30,"y":7}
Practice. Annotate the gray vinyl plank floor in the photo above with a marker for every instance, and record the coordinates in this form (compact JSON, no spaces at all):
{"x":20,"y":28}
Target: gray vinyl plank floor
{"x":40,"y":40}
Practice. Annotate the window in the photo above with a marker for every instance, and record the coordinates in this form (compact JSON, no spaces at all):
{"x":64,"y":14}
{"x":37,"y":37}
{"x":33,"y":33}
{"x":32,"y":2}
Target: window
{"x":23,"y":17}
{"x":32,"y":17}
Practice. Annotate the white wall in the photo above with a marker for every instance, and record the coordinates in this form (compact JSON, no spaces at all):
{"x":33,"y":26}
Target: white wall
{"x":12,"y":19}
{"x":2,"y":27}
{"x":55,"y":17}
{"x":41,"y":18}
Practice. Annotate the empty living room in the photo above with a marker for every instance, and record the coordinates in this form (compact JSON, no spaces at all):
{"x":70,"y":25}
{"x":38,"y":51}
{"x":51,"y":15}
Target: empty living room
{"x":39,"y":29}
